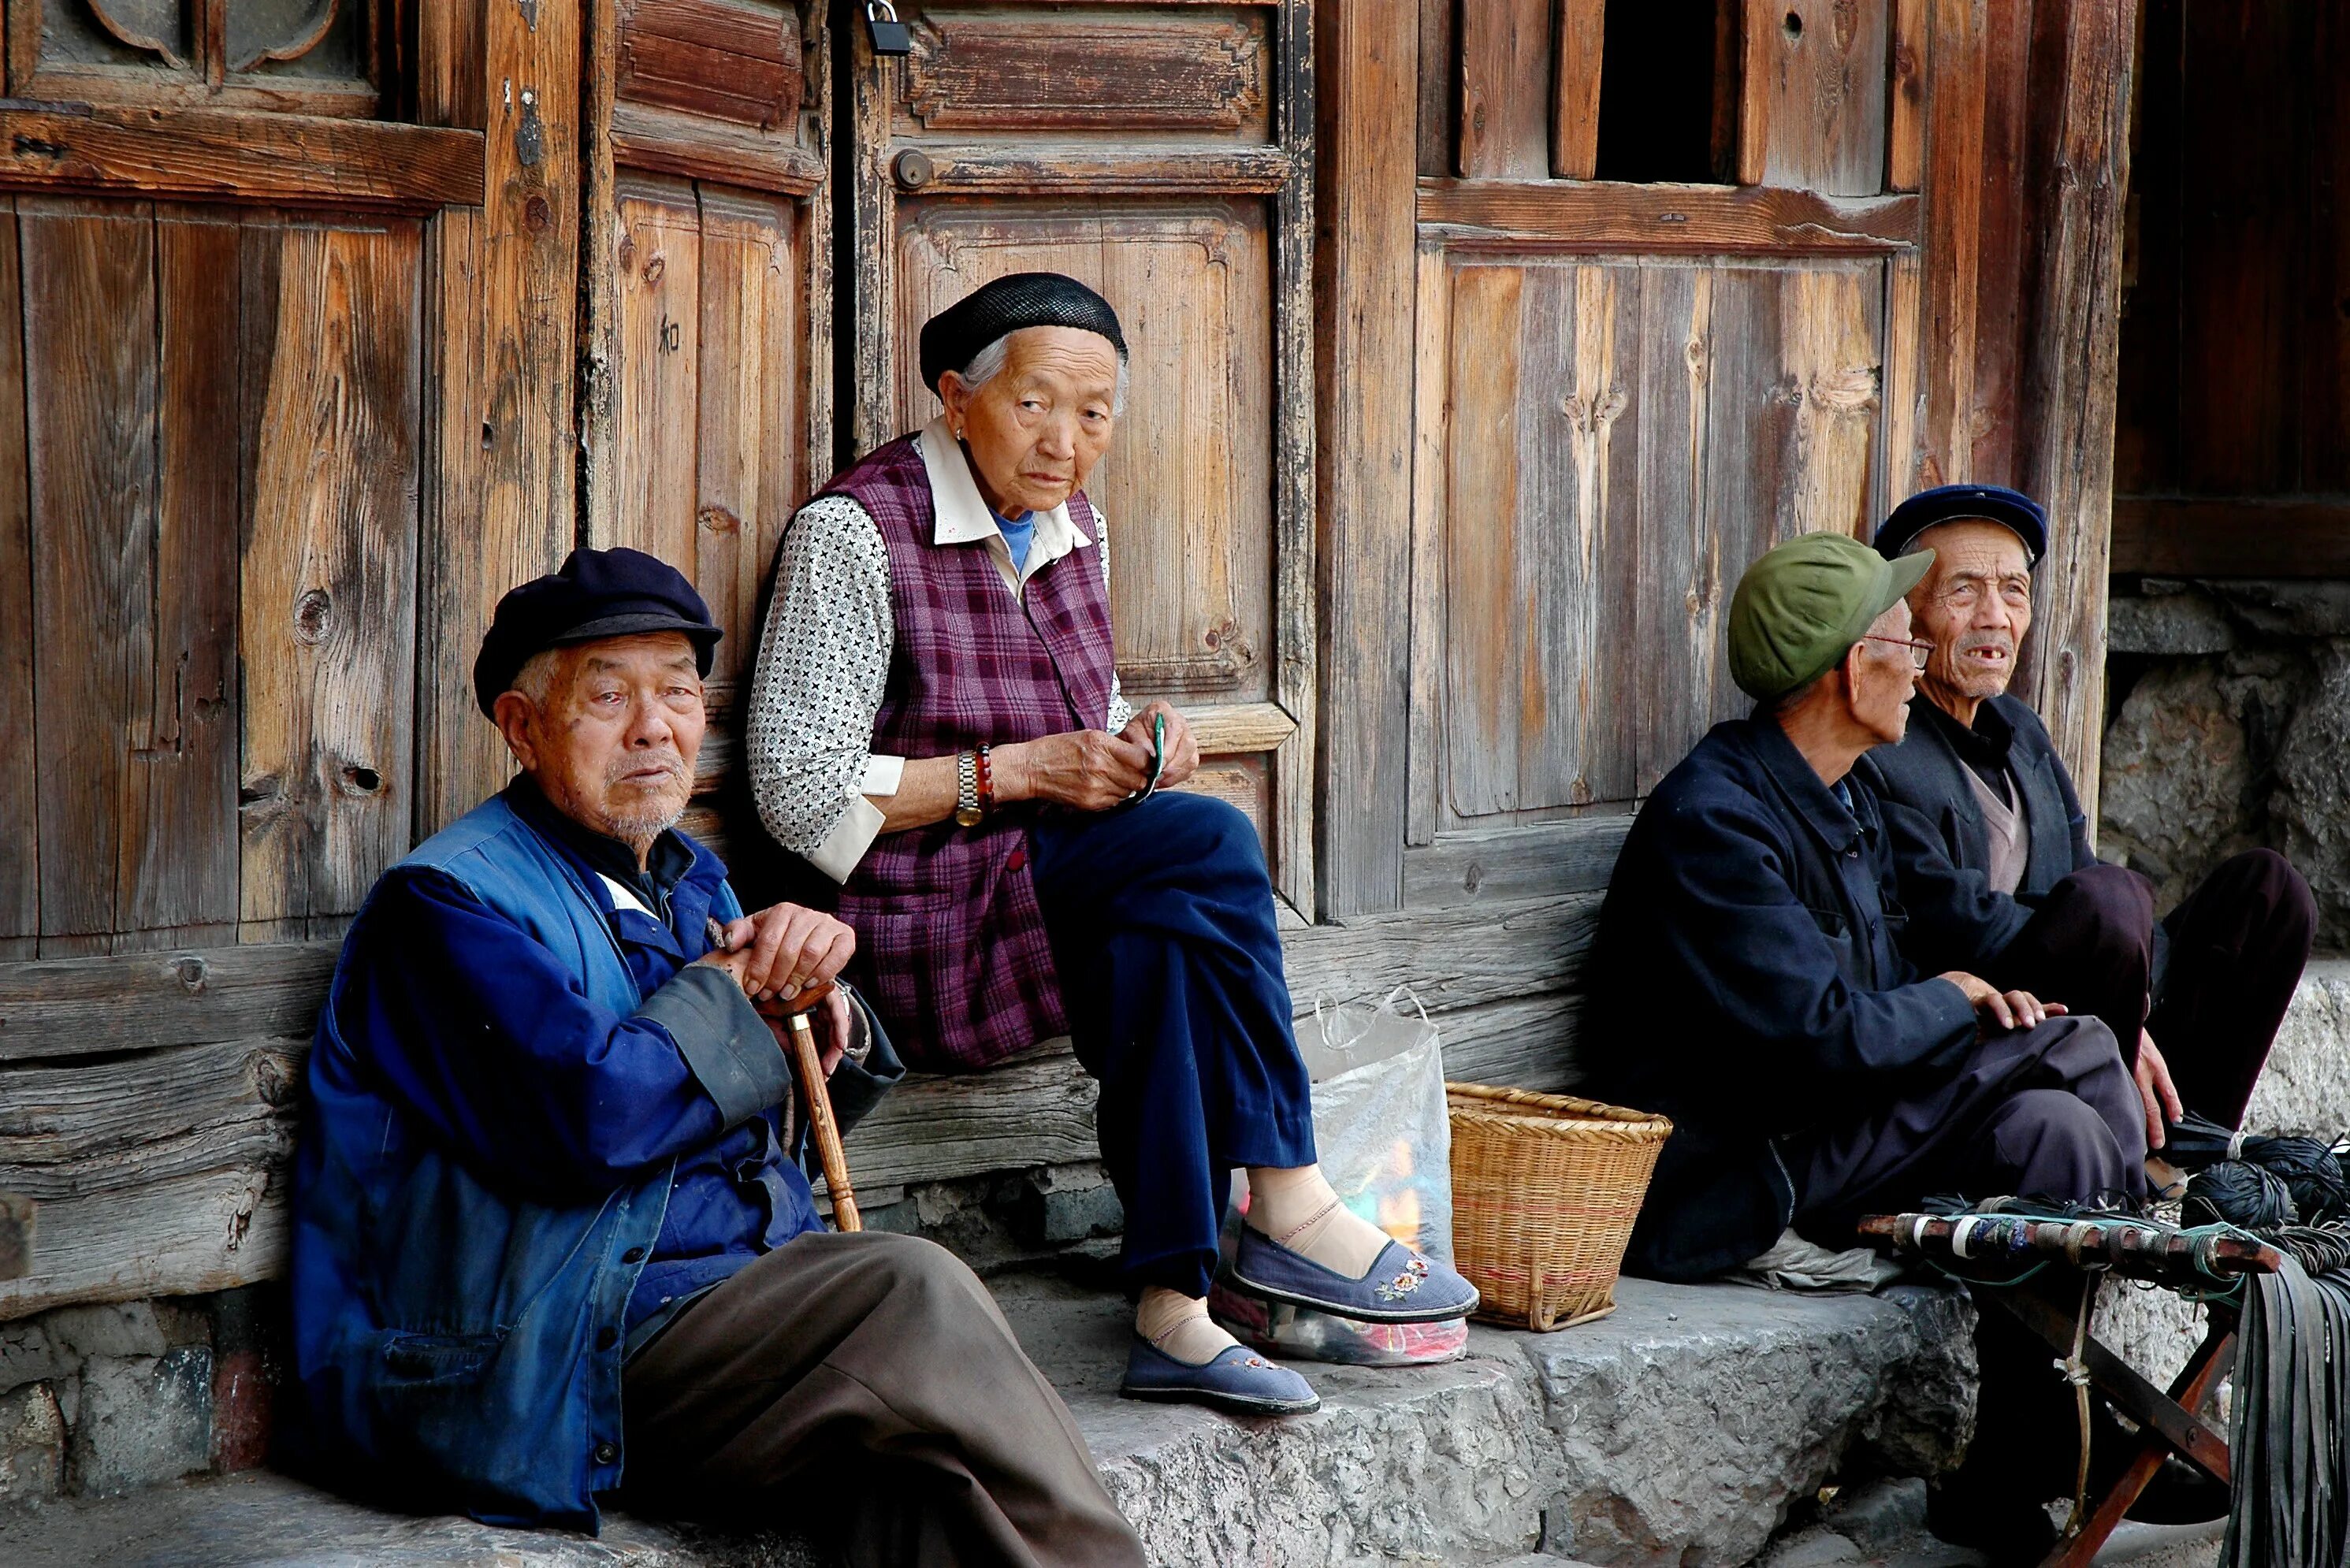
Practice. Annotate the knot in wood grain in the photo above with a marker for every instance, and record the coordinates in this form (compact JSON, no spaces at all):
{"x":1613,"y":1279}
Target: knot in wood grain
{"x":1852,"y":390}
{"x":314,"y":615}
{"x":537,"y":214}
{"x":655,"y":268}
{"x":718,"y":520}
{"x":275,"y":1078}
{"x":192,"y":972}
{"x":1589,"y":414}
{"x":358,"y":778}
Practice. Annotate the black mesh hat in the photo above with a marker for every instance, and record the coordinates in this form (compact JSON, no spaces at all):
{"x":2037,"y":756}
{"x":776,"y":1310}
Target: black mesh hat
{"x":955,"y":335}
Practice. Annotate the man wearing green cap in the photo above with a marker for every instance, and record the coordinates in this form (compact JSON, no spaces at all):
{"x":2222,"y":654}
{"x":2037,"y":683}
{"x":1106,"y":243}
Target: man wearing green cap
{"x":1748,"y":983}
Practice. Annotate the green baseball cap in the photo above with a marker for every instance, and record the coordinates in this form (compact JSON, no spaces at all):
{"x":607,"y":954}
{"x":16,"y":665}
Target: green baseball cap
{"x":1804,"y":603}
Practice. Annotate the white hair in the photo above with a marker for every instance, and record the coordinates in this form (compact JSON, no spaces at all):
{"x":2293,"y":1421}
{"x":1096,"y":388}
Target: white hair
{"x":536,"y":675}
{"x":986,"y":364}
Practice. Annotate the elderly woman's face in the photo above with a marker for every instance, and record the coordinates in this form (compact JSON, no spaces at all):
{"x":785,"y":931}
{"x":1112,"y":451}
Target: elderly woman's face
{"x":1036,"y":428}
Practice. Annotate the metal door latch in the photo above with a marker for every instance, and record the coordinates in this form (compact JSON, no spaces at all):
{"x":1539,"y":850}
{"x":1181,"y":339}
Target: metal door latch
{"x":888,"y":34}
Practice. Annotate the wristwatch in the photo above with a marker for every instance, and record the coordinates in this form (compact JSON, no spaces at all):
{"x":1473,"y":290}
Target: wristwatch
{"x":967,"y":806}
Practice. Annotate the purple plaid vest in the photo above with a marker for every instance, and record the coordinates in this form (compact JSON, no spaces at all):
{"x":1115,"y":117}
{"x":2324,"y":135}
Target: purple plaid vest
{"x":951,"y":943}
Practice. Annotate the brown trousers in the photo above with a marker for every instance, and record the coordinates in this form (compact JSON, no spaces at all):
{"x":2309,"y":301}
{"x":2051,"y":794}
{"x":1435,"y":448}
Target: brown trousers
{"x":866,"y":1387}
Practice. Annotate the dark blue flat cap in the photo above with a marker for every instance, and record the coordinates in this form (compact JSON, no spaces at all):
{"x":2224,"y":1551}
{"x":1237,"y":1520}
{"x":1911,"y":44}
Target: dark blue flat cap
{"x":598,"y":594}
{"x":952,"y":338}
{"x":2011,"y":509}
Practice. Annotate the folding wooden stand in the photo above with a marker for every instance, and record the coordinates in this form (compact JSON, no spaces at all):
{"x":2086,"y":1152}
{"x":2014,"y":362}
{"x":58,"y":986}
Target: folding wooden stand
{"x":1993,"y":1247}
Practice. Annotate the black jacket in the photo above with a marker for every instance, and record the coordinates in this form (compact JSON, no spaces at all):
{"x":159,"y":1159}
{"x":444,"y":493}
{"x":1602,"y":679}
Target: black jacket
{"x":1746,"y":983}
{"x":1941,"y":849}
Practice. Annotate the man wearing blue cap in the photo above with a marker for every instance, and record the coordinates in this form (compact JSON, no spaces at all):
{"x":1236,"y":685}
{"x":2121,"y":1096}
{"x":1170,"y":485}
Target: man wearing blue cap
{"x":1992,"y":846}
{"x":551,"y":1229}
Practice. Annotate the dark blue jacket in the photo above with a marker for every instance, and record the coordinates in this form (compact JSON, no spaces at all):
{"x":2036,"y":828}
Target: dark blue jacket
{"x":1941,"y":850}
{"x":532,"y":1123}
{"x":1746,"y":983}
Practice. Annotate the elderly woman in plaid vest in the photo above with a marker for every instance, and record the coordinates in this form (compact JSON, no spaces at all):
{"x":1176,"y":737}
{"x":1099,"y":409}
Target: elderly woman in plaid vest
{"x":936,"y":725}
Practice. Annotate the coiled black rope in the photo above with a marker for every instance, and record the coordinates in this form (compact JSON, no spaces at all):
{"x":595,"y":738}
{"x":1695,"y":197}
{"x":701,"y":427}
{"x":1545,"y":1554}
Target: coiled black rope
{"x":2237,"y":1193}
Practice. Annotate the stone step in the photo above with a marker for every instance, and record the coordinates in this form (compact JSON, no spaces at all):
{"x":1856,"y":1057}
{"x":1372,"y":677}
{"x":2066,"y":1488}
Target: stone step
{"x":1679,"y":1428}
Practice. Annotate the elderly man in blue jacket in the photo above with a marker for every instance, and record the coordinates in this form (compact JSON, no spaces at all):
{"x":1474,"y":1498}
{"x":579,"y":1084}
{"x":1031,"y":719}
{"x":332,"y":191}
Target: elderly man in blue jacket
{"x":1990,"y":838}
{"x":550,"y":1227}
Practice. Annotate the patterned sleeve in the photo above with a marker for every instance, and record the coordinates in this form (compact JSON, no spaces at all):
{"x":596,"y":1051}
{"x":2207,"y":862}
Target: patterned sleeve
{"x":1122,"y":712}
{"x":823,"y":660}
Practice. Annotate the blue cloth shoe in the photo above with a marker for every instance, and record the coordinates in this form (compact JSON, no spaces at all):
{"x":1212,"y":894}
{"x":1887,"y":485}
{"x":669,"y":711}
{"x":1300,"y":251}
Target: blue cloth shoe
{"x":1402,"y":1286}
{"x":1239,"y":1381}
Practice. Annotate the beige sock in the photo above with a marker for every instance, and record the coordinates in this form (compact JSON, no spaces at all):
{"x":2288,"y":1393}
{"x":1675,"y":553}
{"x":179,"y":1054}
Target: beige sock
{"x":1180,"y":1325}
{"x":1298,"y":1210}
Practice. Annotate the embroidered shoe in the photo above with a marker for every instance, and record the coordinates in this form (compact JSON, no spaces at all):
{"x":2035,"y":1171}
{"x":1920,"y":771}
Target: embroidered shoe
{"x":1239,"y":1381}
{"x":1402,"y":1287}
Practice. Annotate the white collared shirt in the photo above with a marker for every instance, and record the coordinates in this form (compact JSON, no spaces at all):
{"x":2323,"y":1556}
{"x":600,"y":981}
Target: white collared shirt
{"x":824,"y":658}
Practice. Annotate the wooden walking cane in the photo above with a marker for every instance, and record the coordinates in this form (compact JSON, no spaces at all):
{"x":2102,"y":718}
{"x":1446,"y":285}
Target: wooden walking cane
{"x":808,"y":1066}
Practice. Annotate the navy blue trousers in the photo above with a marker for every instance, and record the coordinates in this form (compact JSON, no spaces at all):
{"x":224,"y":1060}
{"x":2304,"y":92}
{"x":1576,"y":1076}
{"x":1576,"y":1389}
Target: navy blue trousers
{"x":1162,"y":927}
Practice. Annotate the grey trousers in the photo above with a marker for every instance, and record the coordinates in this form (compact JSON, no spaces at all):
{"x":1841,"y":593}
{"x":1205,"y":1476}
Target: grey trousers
{"x":2050,"y":1112}
{"x":867,"y":1386}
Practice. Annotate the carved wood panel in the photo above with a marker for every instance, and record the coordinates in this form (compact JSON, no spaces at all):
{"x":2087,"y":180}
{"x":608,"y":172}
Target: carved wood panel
{"x":1187,"y":485}
{"x":1010,"y":72}
{"x":729,"y":59}
{"x":313,"y":57}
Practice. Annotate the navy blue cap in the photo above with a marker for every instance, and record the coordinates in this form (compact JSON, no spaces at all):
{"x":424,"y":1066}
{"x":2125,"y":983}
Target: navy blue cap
{"x":598,"y":594}
{"x":2011,"y":509}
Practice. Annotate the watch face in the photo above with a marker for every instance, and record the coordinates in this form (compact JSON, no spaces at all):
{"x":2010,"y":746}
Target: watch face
{"x":968,"y":815}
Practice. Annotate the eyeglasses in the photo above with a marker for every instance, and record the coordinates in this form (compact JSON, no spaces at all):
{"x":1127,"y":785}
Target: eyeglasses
{"x":1918,"y":651}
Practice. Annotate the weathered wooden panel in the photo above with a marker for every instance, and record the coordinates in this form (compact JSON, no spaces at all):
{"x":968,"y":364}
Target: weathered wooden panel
{"x":732,"y":59}
{"x":1611,"y":217}
{"x":504,"y":295}
{"x":1505,"y":89}
{"x":89,"y":272}
{"x":1088,"y":70}
{"x":1187,"y":488}
{"x":1814,"y":96}
{"x":84,"y":1006}
{"x":1575,"y":105}
{"x":753,"y":464}
{"x":332,"y":414}
{"x":1244,"y":783}
{"x":52,"y":1116}
{"x":178,"y":851}
{"x":1494,"y":866}
{"x":1952,"y":248}
{"x":1622,"y":437}
{"x":242,"y":158}
{"x":1527,"y":1043}
{"x":20,"y":889}
{"x":657,"y":413}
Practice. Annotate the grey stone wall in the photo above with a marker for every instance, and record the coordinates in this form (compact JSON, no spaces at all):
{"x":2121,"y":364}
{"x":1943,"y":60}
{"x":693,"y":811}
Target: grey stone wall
{"x":2229,"y":729}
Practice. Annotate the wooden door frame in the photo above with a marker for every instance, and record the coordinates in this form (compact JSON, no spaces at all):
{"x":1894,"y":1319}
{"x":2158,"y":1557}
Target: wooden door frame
{"x":1283,"y":730}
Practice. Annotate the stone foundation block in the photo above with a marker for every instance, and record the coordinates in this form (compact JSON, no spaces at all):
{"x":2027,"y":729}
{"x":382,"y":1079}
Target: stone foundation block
{"x":142,"y":1420}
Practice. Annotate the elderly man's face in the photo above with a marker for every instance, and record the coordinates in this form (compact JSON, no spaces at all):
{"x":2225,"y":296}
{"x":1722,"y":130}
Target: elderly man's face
{"x":1036,"y":428}
{"x":1884,"y":676}
{"x":1974,"y":606}
{"x":613,"y":743}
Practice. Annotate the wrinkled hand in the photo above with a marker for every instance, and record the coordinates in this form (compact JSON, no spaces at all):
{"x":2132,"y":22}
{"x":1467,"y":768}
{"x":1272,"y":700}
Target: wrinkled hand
{"x":787,"y":949}
{"x":2155,"y":1091}
{"x":1182,"y":750}
{"x":2008,"y":1009}
{"x":1091,"y":770}
{"x":829,"y":1017}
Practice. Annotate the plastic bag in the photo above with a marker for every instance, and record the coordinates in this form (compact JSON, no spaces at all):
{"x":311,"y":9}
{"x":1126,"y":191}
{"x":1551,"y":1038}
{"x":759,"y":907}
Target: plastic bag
{"x":1385,"y":1140}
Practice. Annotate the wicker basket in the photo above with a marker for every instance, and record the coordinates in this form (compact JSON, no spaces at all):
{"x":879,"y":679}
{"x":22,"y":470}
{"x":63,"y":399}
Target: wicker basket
{"x":1544,"y":1191}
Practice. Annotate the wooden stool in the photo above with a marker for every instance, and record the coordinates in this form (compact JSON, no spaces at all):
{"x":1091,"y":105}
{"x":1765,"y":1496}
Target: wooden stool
{"x":1972,"y":1246}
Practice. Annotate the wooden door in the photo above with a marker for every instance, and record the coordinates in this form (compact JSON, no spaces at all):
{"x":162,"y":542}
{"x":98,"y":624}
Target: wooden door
{"x":709,"y":362}
{"x":1162,"y":153}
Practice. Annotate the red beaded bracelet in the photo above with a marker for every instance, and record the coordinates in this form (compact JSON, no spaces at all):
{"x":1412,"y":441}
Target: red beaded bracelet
{"x":986,"y":784}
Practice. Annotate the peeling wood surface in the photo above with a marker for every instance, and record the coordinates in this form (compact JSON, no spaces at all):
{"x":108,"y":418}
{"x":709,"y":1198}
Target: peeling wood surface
{"x":211,"y":155}
{"x":1608,"y":216}
{"x":664,"y":143}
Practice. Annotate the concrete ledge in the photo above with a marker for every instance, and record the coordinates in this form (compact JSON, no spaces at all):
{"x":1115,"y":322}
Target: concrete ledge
{"x":1679,"y":1430}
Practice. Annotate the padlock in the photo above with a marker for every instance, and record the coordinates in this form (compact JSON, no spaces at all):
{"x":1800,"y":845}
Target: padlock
{"x":888,"y":34}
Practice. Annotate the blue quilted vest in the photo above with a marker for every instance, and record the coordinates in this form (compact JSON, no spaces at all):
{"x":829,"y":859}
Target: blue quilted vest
{"x":457,"y":1347}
